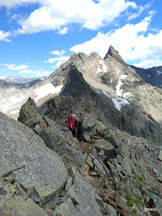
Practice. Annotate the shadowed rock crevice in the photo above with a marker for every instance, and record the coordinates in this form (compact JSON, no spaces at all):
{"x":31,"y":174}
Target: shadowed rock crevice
{"x":76,"y":85}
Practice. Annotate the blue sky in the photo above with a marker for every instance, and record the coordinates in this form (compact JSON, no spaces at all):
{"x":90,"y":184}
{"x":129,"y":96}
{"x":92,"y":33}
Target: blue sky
{"x":36,"y":36}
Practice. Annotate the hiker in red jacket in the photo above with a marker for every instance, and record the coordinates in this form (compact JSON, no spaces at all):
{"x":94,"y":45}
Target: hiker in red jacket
{"x":72,"y":124}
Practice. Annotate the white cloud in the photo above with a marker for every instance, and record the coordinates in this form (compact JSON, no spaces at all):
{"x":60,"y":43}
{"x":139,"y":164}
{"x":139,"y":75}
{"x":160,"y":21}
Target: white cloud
{"x":121,"y":39}
{"x":14,"y":67}
{"x":135,"y":15}
{"x":26,"y":71}
{"x":11,"y":66}
{"x":150,"y":62}
{"x":36,"y":73}
{"x":133,"y":42}
{"x":2,"y":77}
{"x":57,"y":60}
{"x":13,"y":3}
{"x":23,"y":69}
{"x":41,"y":73}
{"x":56,"y":15}
{"x":140,"y":9}
{"x":4,"y":36}
{"x":58,"y":52}
{"x":63,"y":31}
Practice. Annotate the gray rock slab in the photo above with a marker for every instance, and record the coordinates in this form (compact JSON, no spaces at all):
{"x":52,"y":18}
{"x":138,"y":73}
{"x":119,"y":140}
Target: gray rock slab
{"x":85,"y":196}
{"x":67,"y":208}
{"x":160,"y":155}
{"x":17,"y":206}
{"x":25,"y":154}
{"x":81,"y":198}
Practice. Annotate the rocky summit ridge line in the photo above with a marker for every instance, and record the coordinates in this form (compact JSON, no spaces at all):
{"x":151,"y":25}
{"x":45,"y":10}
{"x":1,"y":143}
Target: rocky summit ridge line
{"x":114,"y":53}
{"x":113,"y":166}
{"x":125,"y":100}
{"x":13,"y":97}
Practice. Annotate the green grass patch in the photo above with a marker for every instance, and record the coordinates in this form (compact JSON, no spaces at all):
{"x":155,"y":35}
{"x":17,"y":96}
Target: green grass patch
{"x":129,"y":199}
{"x":137,"y":200}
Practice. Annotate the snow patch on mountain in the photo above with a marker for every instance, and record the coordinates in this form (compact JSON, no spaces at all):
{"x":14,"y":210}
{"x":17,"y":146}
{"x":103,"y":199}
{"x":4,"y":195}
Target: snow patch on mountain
{"x":14,"y":112}
{"x":12,"y":99}
{"x":120,"y":83}
{"x":119,"y":90}
{"x":127,"y":95}
{"x":159,"y":72}
{"x":11,"y":104}
{"x":105,"y":93}
{"x":45,"y":90}
{"x":119,"y":102}
{"x":101,"y":67}
{"x":98,"y":69}
{"x":104,"y":67}
{"x":121,"y":98}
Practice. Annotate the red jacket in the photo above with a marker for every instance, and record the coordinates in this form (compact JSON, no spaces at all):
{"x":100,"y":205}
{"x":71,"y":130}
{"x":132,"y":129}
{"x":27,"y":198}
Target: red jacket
{"x":72,"y":123}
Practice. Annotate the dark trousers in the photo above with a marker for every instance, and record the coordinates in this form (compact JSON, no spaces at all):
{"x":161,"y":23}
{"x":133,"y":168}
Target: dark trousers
{"x":74,"y":133}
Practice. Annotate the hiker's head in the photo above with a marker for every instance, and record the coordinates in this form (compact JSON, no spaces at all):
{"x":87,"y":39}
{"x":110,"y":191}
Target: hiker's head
{"x":73,"y":115}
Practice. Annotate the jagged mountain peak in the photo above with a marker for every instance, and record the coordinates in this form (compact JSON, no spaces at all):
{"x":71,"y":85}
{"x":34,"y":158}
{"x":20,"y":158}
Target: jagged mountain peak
{"x":79,"y":56}
{"x":94,"y":55}
{"x":115,"y":54}
{"x":81,"y":59}
{"x":116,"y":83}
{"x":111,"y":50}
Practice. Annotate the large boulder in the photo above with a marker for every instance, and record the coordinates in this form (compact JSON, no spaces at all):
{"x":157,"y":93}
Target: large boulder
{"x":24,"y":154}
{"x":29,"y":114}
{"x":91,"y":126}
{"x":56,"y":137}
{"x":53,"y":139}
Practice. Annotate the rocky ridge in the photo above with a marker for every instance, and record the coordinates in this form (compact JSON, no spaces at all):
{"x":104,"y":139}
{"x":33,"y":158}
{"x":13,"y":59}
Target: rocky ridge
{"x":113,"y":166}
{"x":110,"y":75}
{"x":121,"y":172}
{"x":125,"y":100}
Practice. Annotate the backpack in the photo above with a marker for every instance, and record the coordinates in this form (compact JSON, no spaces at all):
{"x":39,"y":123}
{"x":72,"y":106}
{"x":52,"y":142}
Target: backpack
{"x":72,"y":123}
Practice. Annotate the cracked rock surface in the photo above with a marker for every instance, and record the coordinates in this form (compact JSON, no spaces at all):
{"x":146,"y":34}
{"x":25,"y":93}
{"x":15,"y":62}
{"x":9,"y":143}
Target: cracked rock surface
{"x":24,"y":154}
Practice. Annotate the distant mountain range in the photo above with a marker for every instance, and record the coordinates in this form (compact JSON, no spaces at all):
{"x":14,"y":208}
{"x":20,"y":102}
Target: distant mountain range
{"x":152,"y":75}
{"x":22,"y":82}
{"x":19,"y":79}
